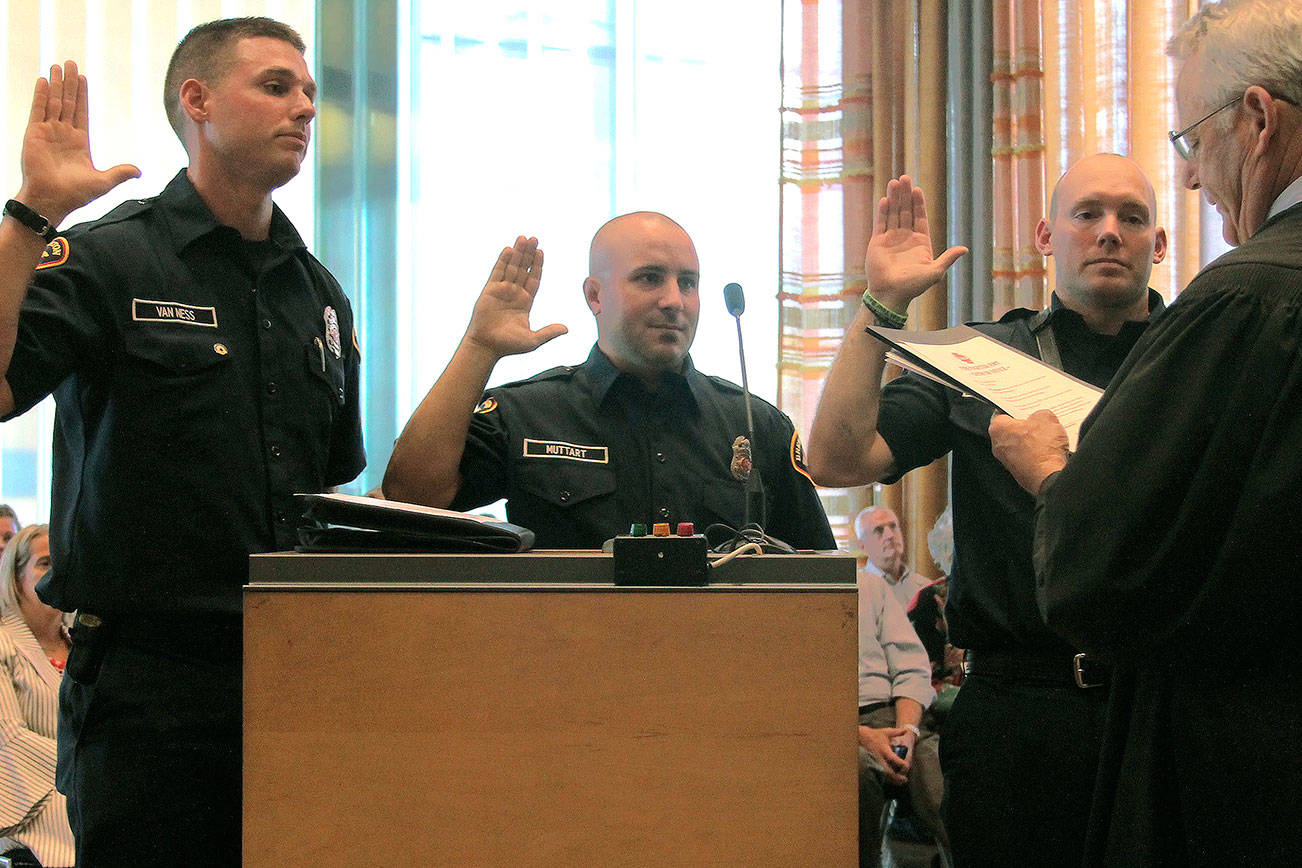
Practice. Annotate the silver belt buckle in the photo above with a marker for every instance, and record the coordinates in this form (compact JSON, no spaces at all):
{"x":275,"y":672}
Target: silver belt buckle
{"x":1080,"y":675}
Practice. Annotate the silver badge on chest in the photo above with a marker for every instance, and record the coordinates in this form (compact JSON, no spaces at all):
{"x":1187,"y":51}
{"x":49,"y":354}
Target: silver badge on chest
{"x":332,"y":332}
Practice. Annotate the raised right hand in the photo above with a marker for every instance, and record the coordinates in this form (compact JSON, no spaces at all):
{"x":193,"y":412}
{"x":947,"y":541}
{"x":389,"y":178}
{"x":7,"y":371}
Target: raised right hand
{"x":58,"y":175}
{"x":899,"y":262}
{"x":500,"y":321}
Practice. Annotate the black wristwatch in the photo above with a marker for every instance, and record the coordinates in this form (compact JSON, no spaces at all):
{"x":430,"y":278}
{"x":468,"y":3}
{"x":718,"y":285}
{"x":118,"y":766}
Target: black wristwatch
{"x":31,"y":220}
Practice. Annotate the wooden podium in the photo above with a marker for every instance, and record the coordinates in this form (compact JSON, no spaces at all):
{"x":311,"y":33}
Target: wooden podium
{"x":414,"y":710}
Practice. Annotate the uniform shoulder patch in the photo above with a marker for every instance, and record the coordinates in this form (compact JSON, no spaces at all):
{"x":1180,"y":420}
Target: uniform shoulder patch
{"x":55,"y":253}
{"x":487,"y":405}
{"x":798,"y":456}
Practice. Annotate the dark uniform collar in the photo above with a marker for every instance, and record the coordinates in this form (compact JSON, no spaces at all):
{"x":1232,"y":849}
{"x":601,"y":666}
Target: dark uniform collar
{"x":1064,"y":317}
{"x":1156,"y":305}
{"x":600,"y":374}
{"x":189,"y":218}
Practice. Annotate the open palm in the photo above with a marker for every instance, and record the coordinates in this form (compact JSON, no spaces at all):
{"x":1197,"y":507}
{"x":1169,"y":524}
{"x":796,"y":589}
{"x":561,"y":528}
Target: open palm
{"x":500,"y":320}
{"x":58,"y":174}
{"x":899,"y":263}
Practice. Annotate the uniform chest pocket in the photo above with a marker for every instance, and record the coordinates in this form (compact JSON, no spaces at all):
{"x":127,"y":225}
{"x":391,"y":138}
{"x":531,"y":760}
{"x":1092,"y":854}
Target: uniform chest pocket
{"x":174,"y":355}
{"x":565,"y":483}
{"x":175,"y":386}
{"x":324,"y":368}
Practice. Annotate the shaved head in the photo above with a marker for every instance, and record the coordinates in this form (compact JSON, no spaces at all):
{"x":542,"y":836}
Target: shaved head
{"x":642,"y":288}
{"x":615,"y":233}
{"x":1106,"y":164}
{"x":1103,"y":236}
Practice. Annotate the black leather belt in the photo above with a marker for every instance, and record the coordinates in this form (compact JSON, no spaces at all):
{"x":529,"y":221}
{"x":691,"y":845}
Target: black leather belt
{"x":1082,"y":670}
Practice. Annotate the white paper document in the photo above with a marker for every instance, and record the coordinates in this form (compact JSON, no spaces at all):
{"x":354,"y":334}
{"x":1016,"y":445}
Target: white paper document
{"x":973,"y":363}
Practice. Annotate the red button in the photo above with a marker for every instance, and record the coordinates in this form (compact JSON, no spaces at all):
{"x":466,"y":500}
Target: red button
{"x":686,"y":528}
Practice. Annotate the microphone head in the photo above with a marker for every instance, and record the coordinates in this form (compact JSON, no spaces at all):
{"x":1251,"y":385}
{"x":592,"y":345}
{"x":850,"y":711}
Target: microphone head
{"x":733,"y":298}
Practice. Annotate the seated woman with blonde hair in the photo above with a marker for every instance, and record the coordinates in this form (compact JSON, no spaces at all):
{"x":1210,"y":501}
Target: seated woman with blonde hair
{"x":33,"y":651}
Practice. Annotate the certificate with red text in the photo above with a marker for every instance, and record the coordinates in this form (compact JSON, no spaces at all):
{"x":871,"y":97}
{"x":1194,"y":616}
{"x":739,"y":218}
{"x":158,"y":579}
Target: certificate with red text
{"x":964,"y":359}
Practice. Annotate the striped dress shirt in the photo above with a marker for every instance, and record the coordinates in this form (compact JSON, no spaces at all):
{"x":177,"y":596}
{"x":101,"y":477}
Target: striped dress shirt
{"x":32,"y":813}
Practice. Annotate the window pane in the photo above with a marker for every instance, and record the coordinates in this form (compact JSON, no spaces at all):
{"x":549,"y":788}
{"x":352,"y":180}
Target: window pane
{"x":123,"y":48}
{"x":548,"y":122}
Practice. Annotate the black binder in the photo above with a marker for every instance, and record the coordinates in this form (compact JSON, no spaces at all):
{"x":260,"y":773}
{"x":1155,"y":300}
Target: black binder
{"x":347,"y":523}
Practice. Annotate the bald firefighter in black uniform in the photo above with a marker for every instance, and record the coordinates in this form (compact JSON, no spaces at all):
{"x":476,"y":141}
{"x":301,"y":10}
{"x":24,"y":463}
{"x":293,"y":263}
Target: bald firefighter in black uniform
{"x":634,"y":434}
{"x":205,"y":370}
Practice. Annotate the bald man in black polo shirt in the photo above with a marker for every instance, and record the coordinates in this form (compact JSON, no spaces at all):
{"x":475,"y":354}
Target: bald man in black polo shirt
{"x":1015,"y":787}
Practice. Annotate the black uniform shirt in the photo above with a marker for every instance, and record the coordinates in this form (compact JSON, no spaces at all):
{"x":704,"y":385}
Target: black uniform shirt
{"x":200,"y":381}
{"x":582,"y":452}
{"x":991,"y":602}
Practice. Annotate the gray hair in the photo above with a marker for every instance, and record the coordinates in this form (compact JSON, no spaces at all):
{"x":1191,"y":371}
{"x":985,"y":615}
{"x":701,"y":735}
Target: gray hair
{"x":867,"y":511}
{"x":1245,"y":42}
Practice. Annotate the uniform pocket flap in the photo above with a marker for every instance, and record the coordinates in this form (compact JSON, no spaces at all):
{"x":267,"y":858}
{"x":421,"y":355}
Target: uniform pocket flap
{"x":566,"y":482}
{"x":182,"y":354}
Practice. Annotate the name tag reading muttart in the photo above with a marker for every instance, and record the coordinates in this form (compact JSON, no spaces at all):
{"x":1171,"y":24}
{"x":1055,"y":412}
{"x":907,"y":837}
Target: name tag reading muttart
{"x":145,"y":310}
{"x":566,"y":451}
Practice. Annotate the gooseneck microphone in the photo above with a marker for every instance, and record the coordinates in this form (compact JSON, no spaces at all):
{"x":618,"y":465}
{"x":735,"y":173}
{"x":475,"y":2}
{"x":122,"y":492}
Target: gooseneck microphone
{"x":736,"y":303}
{"x":734,"y":299}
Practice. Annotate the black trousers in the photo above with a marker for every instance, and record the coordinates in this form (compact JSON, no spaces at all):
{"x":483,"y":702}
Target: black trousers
{"x":1020,"y":760}
{"x":150,"y":751}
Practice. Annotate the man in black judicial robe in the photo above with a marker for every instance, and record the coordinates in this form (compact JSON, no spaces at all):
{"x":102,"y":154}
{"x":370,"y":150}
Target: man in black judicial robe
{"x":1167,"y":541}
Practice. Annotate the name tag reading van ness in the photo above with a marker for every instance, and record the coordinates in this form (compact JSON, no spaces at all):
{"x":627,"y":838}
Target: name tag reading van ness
{"x":147,"y":310}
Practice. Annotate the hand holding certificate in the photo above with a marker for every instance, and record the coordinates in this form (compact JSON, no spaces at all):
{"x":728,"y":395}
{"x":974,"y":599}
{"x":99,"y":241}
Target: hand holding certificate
{"x":974,"y":364}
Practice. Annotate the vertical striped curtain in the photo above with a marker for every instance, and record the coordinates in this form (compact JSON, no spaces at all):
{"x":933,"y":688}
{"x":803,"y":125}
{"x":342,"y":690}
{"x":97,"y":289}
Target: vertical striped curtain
{"x":1017,"y":268}
{"x":863,"y":101}
{"x":864,"y":97}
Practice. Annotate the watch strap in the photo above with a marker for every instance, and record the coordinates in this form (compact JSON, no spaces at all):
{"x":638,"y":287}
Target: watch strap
{"x":30,"y":219}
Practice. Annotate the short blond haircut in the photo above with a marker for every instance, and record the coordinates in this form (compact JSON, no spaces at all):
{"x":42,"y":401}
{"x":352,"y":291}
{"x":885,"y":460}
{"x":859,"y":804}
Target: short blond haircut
{"x":205,"y":54}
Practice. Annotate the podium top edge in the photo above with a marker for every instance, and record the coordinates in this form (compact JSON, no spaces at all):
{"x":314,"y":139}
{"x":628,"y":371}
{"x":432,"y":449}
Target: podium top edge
{"x":582,"y":569}
{"x":547,"y":587}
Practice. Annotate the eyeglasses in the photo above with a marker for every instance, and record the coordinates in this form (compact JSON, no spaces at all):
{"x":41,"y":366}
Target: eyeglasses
{"x":1181,"y":144}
